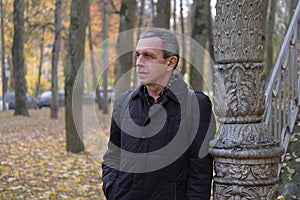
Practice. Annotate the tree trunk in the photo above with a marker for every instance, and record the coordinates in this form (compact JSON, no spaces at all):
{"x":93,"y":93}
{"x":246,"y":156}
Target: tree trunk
{"x":141,"y":24}
{"x":174,"y":16}
{"x":37,"y":91}
{"x":93,"y":65}
{"x":94,"y":77}
{"x":18,"y":59}
{"x":269,"y":37}
{"x":55,"y":58}
{"x":78,"y":19}
{"x":11,"y":81}
{"x":163,"y":14}
{"x":183,"y":69}
{"x":105,"y":56}
{"x":200,"y":30}
{"x":210,"y":34}
{"x":4,"y":76}
{"x":125,"y":62}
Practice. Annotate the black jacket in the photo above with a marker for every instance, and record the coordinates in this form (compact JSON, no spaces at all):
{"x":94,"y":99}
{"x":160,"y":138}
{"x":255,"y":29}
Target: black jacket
{"x":135,"y":168}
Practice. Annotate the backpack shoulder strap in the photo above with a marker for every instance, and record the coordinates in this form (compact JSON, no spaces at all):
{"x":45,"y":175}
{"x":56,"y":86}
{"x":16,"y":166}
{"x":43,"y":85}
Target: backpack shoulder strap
{"x":124,"y":103}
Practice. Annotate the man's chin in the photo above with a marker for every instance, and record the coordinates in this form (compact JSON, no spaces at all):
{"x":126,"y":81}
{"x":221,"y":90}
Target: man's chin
{"x":144,"y":82}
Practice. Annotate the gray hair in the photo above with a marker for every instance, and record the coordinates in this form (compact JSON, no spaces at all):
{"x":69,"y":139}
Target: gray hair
{"x":170,"y":42}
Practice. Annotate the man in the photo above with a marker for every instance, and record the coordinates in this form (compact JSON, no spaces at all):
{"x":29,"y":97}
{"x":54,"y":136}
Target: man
{"x":152,"y":151}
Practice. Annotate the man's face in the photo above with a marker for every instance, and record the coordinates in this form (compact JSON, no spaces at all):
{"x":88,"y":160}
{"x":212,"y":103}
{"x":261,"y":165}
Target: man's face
{"x":151,"y":66}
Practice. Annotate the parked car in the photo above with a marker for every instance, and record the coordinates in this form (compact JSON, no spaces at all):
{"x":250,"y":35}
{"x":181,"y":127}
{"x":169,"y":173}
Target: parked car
{"x":45,"y":99}
{"x":30,"y":101}
{"x":1,"y":104}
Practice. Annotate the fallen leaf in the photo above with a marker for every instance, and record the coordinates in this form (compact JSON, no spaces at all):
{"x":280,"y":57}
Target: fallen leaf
{"x":288,"y":157}
{"x":4,"y":170}
{"x":290,"y":172}
{"x":16,"y":174}
{"x":280,"y":197}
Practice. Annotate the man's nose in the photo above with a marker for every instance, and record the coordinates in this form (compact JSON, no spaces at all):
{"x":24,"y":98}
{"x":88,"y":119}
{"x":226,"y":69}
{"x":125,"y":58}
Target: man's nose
{"x":140,"y":61}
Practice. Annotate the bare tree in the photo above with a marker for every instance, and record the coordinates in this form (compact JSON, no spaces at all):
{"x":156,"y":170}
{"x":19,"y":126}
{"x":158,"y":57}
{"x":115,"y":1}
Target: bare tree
{"x":141,"y":24}
{"x":174,"y":15}
{"x":55,"y":58}
{"x":182,"y":39}
{"x":18,"y":59}
{"x":163,"y":14}
{"x":141,"y":16}
{"x":41,"y":62}
{"x":127,"y":16}
{"x":269,"y":36}
{"x":200,"y":29}
{"x":78,"y":19}
{"x":4,"y":77}
{"x":105,"y":56}
{"x":93,"y":65}
{"x":90,"y":38}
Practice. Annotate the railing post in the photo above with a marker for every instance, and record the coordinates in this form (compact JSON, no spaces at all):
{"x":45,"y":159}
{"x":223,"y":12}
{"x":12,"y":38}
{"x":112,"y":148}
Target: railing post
{"x":245,"y":152}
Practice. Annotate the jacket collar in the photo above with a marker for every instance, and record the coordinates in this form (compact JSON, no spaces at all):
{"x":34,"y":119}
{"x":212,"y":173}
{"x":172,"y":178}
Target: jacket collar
{"x":177,"y":91}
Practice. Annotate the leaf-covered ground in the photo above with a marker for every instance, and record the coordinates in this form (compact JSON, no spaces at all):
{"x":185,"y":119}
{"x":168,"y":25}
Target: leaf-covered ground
{"x":34,"y":163}
{"x":290,"y":172}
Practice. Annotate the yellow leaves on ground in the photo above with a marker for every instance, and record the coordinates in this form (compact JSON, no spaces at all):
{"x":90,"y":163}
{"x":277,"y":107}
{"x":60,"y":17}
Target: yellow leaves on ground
{"x":63,"y":187}
{"x":4,"y":170}
{"x":16,"y":174}
{"x":35,"y":165}
{"x":280,"y":197}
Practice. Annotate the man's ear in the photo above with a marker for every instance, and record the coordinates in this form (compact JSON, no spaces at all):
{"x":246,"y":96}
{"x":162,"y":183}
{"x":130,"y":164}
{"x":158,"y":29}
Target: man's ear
{"x":172,"y":62}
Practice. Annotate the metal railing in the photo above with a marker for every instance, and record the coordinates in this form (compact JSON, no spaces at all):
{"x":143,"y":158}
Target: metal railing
{"x":282,"y":93}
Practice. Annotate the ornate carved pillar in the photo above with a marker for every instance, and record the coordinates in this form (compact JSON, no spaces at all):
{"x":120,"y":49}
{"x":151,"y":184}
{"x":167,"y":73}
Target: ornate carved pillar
{"x":245,"y":152}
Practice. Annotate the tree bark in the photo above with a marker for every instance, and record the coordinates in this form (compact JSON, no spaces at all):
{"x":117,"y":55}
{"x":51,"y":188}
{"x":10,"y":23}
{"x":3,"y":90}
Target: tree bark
{"x":18,"y":59}
{"x":174,"y":15}
{"x":183,"y":69}
{"x":125,"y":62}
{"x":41,"y":63}
{"x":90,"y":37}
{"x":55,"y":58}
{"x":163,"y":14}
{"x":4,"y":76}
{"x":141,"y":24}
{"x":78,"y":19}
{"x":105,"y":56}
{"x":93,"y":67}
{"x":200,"y":30}
{"x":269,"y":37}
